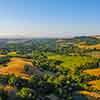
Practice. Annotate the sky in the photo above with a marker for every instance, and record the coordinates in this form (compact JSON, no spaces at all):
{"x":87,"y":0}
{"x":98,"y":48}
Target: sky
{"x":49,"y":18}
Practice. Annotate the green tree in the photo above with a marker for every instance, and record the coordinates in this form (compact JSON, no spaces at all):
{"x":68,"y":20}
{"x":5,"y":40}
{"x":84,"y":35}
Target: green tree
{"x":26,"y":93}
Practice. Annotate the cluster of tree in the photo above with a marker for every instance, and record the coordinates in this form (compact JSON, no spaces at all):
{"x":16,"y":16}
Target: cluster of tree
{"x":4,"y":59}
{"x":27,"y":47}
{"x":94,"y":64}
{"x":3,"y":51}
{"x":41,"y":87}
{"x":40,"y":60}
{"x":60,"y":46}
{"x":69,"y":49}
{"x":54,"y":81}
{"x":87,"y":40}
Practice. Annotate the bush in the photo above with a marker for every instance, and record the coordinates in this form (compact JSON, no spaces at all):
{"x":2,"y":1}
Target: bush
{"x":12,"y":79}
{"x":28,"y":68}
{"x":4,"y":59}
{"x":3,"y":95}
{"x":26,"y":93}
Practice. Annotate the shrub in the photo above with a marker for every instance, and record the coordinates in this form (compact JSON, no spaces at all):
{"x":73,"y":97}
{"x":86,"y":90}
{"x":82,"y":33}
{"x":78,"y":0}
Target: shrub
{"x":4,"y":59}
{"x":28,"y":68}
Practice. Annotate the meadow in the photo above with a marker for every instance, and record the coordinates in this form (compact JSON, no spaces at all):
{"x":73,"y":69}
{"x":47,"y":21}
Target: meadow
{"x":50,"y":69}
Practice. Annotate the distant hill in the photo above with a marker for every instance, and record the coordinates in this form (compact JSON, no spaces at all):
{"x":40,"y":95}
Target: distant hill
{"x":87,"y":40}
{"x":96,"y":36}
{"x":90,"y":40}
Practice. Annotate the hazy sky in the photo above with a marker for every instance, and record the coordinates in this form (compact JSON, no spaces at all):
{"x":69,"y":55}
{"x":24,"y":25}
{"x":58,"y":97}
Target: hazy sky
{"x":49,"y":18}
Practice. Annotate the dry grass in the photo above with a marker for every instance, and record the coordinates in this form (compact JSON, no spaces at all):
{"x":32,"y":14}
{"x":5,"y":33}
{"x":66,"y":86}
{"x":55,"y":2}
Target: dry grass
{"x":95,"y":84}
{"x":96,"y":36}
{"x":90,"y":94}
{"x":97,"y":46}
{"x":15,"y":66}
{"x":95,"y":72}
{"x":11,"y":53}
{"x":2,"y":55}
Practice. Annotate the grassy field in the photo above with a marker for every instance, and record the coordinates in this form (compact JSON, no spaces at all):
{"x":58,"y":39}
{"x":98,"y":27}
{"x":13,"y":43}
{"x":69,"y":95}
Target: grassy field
{"x":72,"y":61}
{"x":15,"y":66}
{"x":95,"y":84}
{"x":95,"y":72}
{"x":90,"y":95}
{"x":97,"y":46}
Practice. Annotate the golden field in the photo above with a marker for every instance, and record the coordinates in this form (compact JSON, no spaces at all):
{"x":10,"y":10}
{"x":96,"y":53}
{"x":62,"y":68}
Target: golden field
{"x":15,"y":66}
{"x":97,"y":46}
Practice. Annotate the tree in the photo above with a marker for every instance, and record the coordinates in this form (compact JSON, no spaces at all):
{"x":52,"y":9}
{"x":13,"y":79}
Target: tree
{"x":12,"y":79}
{"x":28,"y":69}
{"x":3,"y":95}
{"x":26,"y":94}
